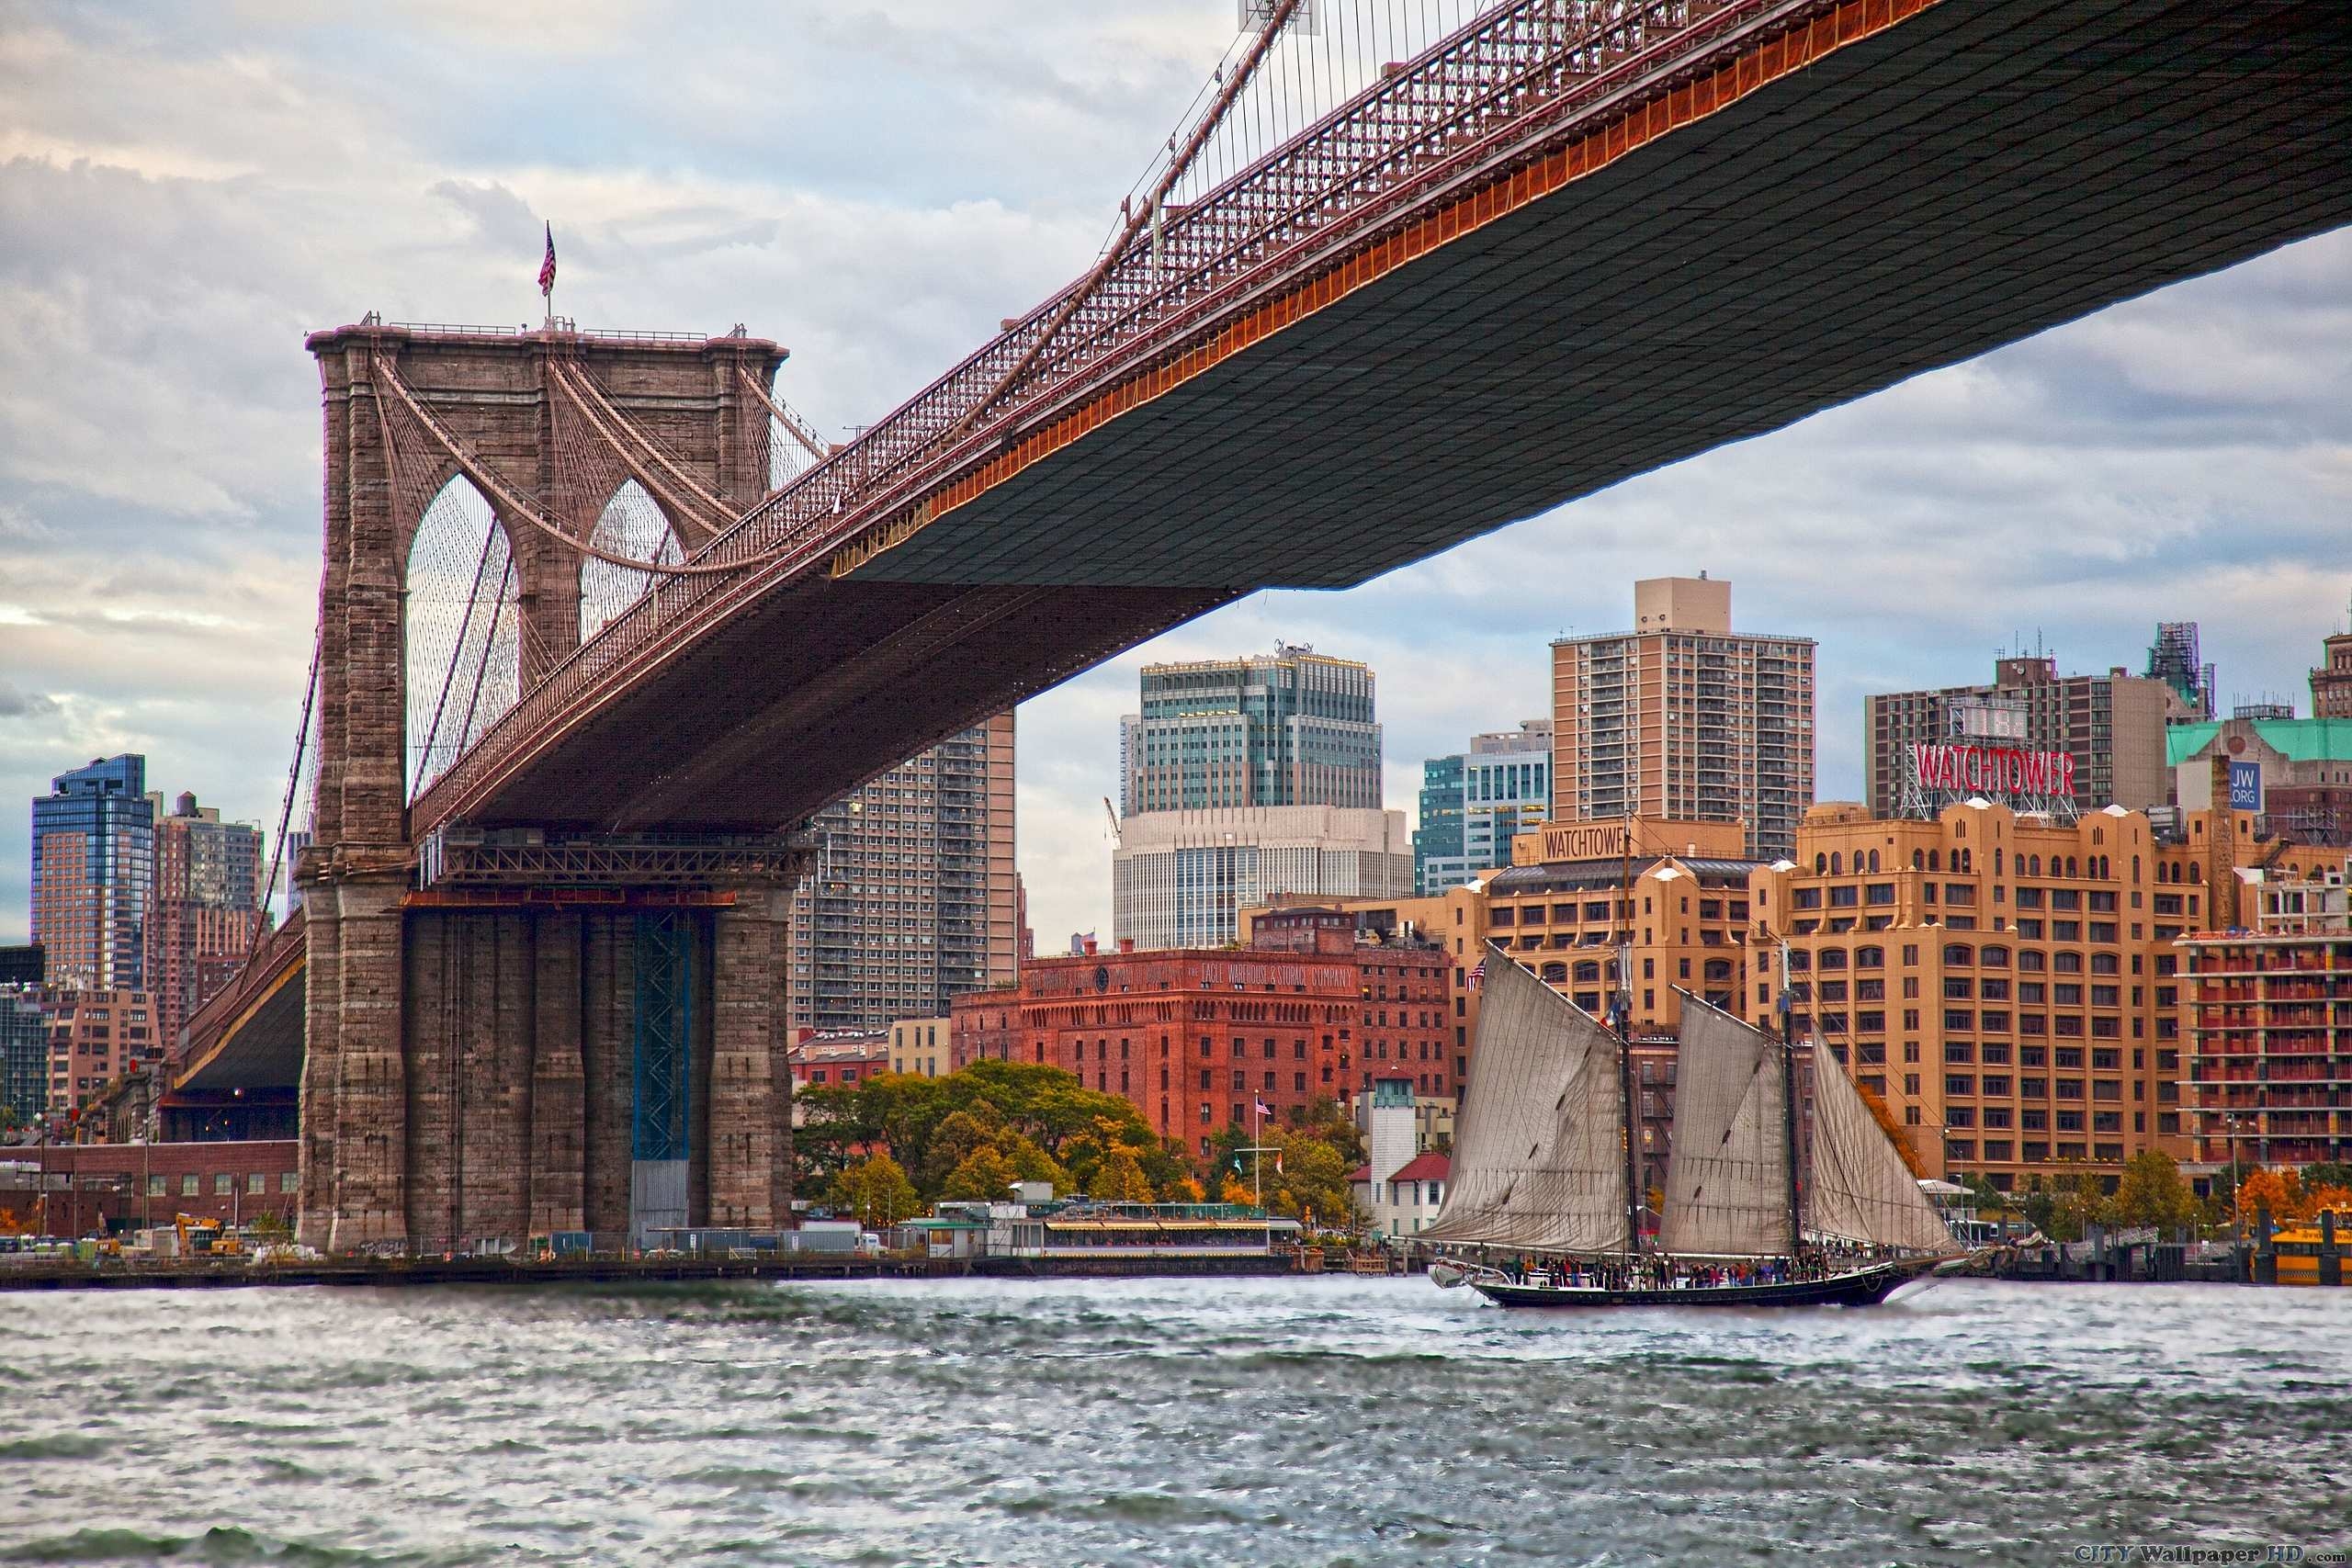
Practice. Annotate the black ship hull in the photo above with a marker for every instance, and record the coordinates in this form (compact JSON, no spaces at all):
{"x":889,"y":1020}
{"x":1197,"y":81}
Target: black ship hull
{"x":1861,"y":1287}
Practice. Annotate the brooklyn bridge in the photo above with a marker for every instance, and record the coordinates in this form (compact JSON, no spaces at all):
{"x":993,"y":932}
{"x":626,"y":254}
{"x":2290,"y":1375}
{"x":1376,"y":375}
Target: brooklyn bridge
{"x":535,"y":983}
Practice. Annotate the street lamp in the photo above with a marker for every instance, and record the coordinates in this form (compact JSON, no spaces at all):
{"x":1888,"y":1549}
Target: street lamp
{"x":2231,"y":1121}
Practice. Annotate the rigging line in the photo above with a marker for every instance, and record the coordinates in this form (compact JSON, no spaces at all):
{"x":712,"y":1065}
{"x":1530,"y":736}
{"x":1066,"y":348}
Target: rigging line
{"x":1177,"y":165}
{"x":500,"y":490}
{"x":622,"y":437}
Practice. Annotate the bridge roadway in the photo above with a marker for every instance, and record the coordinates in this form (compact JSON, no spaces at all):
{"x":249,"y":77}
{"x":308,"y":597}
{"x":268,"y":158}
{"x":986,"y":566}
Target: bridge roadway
{"x":1632,"y":292}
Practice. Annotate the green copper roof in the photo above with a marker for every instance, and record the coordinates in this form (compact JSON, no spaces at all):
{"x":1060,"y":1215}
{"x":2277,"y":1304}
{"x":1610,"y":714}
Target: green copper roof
{"x":2300,"y":739}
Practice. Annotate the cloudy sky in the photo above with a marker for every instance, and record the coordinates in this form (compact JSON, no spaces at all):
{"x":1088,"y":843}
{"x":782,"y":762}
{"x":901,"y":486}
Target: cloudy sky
{"x":185,"y":191}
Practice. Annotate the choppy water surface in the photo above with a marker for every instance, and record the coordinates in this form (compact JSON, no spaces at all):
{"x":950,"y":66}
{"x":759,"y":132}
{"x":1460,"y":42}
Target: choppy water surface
{"x":1162,"y":1422}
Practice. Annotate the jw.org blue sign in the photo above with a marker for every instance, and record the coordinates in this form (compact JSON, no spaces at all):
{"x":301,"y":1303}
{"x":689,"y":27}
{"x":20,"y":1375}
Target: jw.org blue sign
{"x":2245,"y":786}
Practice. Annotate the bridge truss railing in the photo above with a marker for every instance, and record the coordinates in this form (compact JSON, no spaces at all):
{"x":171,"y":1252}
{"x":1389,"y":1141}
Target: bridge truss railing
{"x":262,"y":966}
{"x":1468,"y":106}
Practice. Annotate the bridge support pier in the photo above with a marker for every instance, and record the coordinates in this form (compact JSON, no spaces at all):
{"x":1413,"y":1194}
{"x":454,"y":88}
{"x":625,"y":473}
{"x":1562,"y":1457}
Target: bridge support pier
{"x":588,"y":1036}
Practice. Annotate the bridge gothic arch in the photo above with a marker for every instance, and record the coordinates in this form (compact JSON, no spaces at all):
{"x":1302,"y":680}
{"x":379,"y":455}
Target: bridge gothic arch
{"x":461,"y":629}
{"x":632,"y":523}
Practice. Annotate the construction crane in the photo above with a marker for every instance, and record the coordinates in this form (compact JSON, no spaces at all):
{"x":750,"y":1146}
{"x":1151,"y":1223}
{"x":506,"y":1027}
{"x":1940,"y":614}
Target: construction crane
{"x":1114,"y":818}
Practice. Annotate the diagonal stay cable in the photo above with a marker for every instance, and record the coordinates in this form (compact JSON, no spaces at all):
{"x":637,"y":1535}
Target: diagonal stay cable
{"x":799,"y":429}
{"x":631,"y":445}
{"x":497,"y":488}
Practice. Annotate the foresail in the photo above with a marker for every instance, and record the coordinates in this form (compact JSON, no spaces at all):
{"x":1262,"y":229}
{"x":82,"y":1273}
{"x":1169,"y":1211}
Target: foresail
{"x":1860,"y":1189}
{"x":1727,"y":1177}
{"x":1538,"y":1152}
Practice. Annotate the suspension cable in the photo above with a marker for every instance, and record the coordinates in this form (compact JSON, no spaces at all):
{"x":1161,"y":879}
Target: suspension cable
{"x":1137,"y":220}
{"x":293,"y":784}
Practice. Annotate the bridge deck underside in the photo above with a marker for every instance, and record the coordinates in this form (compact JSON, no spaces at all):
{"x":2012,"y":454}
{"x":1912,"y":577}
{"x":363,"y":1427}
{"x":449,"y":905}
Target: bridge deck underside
{"x":262,"y":1050}
{"x":1962,"y":180}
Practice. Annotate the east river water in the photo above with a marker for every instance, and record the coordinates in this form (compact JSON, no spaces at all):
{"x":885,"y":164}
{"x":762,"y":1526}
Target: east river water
{"x":1164,"y":1423}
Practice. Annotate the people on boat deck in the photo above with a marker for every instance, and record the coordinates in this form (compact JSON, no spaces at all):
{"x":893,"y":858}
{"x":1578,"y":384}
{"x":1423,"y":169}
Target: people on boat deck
{"x":1663,"y":1271}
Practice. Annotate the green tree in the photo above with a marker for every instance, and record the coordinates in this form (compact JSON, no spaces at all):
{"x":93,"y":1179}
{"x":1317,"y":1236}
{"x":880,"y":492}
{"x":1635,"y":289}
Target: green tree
{"x":2153,"y":1193}
{"x":2078,"y":1204}
{"x":875,"y":1191}
{"x":1306,"y":1176}
{"x":1031,"y":1163}
{"x":905,"y":1116}
{"x":985,"y":1176}
{"x":1323,"y":1119}
{"x":956,"y":1139}
{"x":1166,"y":1162}
{"x":1119,"y":1178}
{"x":2328,"y":1173}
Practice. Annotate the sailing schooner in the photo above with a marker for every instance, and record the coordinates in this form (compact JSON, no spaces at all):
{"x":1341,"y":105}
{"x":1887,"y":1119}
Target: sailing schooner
{"x":1543,"y":1170}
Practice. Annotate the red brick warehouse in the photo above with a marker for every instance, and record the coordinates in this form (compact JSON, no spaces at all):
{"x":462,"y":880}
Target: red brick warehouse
{"x":1194,"y":1037}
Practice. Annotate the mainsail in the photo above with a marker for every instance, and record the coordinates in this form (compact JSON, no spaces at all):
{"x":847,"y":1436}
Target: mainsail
{"x":1727,"y":1179}
{"x":1860,"y":1189}
{"x":1539,"y":1153}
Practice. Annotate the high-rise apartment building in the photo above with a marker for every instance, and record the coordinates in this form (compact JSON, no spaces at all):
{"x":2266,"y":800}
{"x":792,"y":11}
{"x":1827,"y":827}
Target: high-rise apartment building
{"x":912,"y":899}
{"x":1293,"y":727}
{"x":207,"y":892}
{"x":1472,"y":803}
{"x":1681,"y":717}
{"x":93,"y":873}
{"x":2111,"y":724}
{"x":96,"y":1035}
{"x":2268,"y":1025}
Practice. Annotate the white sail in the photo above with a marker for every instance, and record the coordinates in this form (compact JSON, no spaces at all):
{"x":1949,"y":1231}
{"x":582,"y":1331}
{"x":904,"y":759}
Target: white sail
{"x":1539,"y":1155}
{"x":1861,"y":1190}
{"x":1727,"y":1179}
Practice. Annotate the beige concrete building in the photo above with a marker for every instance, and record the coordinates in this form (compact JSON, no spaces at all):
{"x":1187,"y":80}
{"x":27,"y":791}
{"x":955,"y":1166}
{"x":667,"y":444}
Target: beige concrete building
{"x":2006,"y":985}
{"x":922,"y":1047}
{"x":1675,"y":891}
{"x":1683,"y":718}
{"x":1181,"y":878}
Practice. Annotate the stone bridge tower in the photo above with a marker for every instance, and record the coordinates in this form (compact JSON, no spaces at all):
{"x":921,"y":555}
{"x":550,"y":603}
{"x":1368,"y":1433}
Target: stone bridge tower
{"x":530,"y":1031}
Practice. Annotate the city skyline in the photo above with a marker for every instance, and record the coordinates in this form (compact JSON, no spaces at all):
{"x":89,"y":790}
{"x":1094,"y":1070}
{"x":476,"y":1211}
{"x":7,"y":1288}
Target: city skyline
{"x":2178,"y":458}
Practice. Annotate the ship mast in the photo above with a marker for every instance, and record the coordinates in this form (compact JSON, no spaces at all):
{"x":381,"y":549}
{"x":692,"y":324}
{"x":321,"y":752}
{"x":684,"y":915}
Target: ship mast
{"x":1788,"y":1101}
{"x":1620,"y":1016}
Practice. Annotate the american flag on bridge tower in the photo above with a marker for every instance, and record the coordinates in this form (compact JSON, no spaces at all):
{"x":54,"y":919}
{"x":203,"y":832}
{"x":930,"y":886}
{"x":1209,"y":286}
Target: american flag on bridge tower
{"x":547,"y":266}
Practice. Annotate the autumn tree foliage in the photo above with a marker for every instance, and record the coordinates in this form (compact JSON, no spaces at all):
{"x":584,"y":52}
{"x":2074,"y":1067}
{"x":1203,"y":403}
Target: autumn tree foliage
{"x":2151,"y":1192}
{"x":1039,"y":1120}
{"x":875,"y":1191}
{"x":984,"y":1176}
{"x":2292,"y":1196}
{"x":1119,"y":1178}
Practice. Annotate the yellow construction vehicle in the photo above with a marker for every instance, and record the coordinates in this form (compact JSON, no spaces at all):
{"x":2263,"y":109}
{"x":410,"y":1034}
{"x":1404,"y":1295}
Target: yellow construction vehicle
{"x":201,"y":1237}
